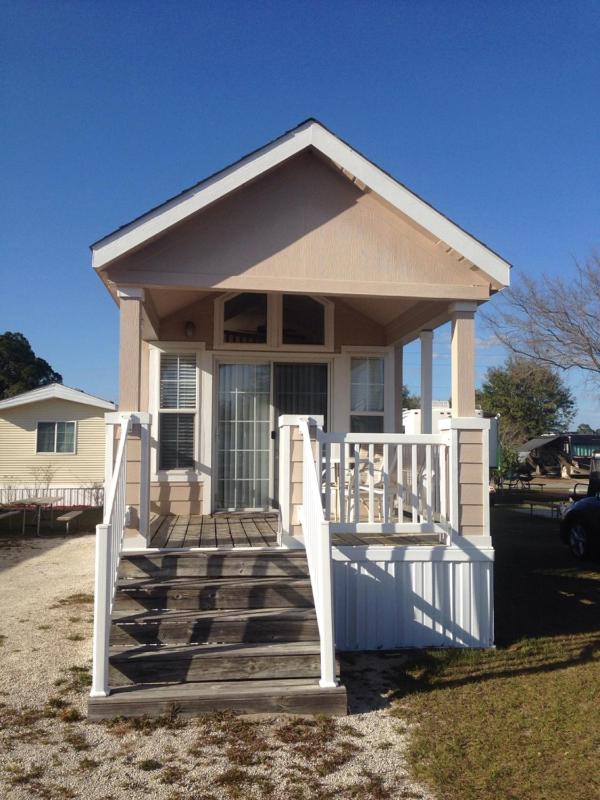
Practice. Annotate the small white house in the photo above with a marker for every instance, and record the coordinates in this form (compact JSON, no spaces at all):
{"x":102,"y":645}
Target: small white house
{"x":52,"y":442}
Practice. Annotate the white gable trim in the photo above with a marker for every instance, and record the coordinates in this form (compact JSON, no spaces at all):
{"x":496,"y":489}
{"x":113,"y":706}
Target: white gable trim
{"x":309,"y":134}
{"x":56,"y":391}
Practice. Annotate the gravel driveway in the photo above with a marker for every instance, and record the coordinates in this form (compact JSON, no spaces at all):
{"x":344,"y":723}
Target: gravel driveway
{"x":49,"y":751}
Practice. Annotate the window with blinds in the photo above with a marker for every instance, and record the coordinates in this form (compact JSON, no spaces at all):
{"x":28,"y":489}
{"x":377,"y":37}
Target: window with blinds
{"x":366,"y":395}
{"x":178,"y":410}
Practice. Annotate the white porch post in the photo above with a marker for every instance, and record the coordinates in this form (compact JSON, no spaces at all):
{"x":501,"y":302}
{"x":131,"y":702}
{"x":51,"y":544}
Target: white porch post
{"x":426,"y":338}
{"x":398,"y":386}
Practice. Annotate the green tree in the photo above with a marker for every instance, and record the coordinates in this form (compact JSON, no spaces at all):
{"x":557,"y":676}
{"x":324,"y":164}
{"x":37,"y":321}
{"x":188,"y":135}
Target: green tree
{"x":530,"y":397}
{"x":20,"y":368}
{"x":410,"y":400}
{"x":585,"y":428}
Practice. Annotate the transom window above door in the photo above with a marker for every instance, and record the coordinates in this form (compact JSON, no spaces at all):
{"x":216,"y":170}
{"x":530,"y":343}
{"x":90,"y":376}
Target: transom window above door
{"x":272,"y":321}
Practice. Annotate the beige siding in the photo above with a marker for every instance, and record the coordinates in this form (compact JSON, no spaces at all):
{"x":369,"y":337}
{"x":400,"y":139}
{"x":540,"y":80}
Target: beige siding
{"x":301,"y":225}
{"x":19,"y":461}
{"x":470,"y":477}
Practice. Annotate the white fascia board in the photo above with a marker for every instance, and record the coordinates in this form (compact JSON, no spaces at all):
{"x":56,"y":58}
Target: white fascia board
{"x":309,"y":134}
{"x":56,"y":391}
{"x":408,"y":203}
{"x":197,"y":198}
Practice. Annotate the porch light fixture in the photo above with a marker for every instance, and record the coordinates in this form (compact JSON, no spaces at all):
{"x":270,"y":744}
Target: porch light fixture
{"x":189,"y":328}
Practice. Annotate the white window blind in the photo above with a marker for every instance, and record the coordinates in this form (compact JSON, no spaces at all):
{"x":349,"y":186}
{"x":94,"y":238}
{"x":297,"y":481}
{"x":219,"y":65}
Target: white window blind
{"x":178,"y":410}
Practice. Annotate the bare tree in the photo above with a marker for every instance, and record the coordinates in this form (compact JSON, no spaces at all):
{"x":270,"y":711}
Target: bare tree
{"x":555,"y":321}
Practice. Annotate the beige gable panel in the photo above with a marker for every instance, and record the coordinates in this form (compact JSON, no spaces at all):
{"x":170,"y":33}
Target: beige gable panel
{"x":300,"y":226}
{"x":19,"y":461}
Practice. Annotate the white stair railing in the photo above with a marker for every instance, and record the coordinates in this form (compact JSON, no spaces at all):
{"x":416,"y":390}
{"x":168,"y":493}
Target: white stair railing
{"x":109,"y":543}
{"x":317,"y":542}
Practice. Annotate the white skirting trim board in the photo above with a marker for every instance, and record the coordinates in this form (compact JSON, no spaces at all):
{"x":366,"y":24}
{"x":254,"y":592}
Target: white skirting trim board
{"x":387,"y":598}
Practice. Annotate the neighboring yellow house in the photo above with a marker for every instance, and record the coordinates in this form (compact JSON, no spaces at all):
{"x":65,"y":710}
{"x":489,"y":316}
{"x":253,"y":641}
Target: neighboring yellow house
{"x":52,"y":442}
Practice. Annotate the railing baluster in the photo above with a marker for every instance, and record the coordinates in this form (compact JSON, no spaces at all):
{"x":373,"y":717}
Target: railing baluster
{"x":414,"y":484}
{"x":328,"y":482}
{"x":400,"y":468}
{"x":386,"y":483}
{"x":371,"y":478}
{"x":342,"y":482}
{"x":356,"y":483}
{"x":429,"y":484}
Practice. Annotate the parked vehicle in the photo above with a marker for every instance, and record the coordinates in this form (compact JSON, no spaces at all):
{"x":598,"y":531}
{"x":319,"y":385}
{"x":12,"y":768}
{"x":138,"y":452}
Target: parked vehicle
{"x":580,"y":525}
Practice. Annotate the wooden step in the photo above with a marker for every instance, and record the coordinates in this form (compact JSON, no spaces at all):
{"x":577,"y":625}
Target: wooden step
{"x":234,"y":563}
{"x":214,"y":593}
{"x":246,"y":697}
{"x":226,"y":625}
{"x":214,"y":662}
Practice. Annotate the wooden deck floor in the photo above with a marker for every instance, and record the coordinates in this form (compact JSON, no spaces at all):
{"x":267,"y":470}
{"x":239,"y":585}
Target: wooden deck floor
{"x":255,"y":529}
{"x":215,"y":530}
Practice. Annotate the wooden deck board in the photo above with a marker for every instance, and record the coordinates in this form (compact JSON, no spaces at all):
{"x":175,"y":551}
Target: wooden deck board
{"x":256,"y":530}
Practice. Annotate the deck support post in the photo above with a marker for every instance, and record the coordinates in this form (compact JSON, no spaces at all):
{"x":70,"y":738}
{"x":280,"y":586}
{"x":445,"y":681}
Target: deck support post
{"x":426,"y":338}
{"x":102,"y":610}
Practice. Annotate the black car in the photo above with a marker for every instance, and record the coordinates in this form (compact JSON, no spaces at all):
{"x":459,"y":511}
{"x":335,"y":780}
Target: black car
{"x":580,"y":525}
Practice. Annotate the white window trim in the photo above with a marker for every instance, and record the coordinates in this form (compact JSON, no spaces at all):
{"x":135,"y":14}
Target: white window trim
{"x":274,"y":326}
{"x":54,"y":452}
{"x":344,"y":384}
{"x":199,"y":471}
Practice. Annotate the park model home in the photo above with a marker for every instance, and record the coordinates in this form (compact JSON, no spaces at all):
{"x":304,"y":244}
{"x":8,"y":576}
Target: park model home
{"x":265,"y":508}
{"x":52,"y":443}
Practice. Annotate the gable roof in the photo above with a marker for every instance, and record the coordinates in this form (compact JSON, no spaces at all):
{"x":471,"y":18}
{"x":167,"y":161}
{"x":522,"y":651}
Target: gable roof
{"x":56,"y":391}
{"x":310,"y":134}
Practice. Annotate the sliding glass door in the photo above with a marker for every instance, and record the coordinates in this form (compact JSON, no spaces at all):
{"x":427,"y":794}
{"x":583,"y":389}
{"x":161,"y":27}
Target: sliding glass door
{"x":243,"y":436}
{"x":250,"y":399}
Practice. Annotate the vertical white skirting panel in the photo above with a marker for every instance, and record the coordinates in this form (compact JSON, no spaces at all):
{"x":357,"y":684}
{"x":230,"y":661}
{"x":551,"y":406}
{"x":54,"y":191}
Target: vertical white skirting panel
{"x":393,"y":597}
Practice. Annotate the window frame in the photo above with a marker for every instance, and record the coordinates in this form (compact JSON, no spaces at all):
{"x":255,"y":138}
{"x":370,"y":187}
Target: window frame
{"x":274,"y":325}
{"x":177,"y":474}
{"x":56,"y":422}
{"x":358,"y":356}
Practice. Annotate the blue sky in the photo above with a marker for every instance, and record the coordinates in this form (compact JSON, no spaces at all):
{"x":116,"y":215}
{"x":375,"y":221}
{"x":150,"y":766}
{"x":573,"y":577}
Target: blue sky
{"x":490,"y":111}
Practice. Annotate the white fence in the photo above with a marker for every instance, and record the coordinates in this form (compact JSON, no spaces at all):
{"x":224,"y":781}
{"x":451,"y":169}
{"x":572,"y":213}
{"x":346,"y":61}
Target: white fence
{"x":109,"y":543}
{"x":389,"y":483}
{"x":317,"y":541}
{"x":89,"y":496}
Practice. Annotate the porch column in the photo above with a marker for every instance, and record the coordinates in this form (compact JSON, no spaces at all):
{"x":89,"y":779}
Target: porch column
{"x":426,"y":338}
{"x":463,"y":359}
{"x":398,"y":385}
{"x":130,"y":348}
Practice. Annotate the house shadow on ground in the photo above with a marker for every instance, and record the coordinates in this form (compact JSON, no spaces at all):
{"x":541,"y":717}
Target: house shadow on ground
{"x":547,"y":613}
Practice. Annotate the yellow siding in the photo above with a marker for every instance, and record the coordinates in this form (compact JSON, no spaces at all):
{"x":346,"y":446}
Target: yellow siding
{"x":19,"y":461}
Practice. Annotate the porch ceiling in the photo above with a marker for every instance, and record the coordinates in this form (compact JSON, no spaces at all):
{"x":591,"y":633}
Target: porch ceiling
{"x":401,"y":318}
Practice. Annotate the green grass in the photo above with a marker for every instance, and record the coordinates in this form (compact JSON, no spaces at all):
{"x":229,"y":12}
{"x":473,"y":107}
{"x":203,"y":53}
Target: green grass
{"x":521,"y":722}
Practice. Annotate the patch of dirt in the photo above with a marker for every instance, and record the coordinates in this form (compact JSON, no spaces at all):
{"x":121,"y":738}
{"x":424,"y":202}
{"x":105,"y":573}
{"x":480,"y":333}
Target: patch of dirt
{"x":48,"y":750}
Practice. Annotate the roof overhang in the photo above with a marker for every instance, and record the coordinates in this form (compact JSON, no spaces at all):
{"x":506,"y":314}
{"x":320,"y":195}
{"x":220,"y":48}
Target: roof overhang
{"x":56,"y":391}
{"x":308,"y":135}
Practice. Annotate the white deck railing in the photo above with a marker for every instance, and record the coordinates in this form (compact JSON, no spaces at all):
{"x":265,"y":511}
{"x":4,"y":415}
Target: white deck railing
{"x":317,"y":542}
{"x":385,"y":483}
{"x":70,"y":496}
{"x":109,"y":543}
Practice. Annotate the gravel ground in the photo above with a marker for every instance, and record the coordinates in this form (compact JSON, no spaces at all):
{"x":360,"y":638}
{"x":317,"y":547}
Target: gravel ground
{"x":49,"y":751}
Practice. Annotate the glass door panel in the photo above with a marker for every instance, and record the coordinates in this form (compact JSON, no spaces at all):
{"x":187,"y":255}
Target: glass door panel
{"x":243,"y":436}
{"x":297,"y":389}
